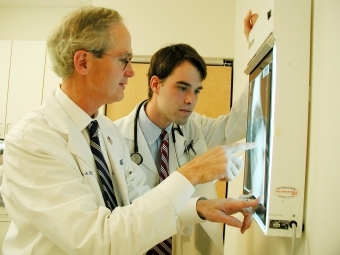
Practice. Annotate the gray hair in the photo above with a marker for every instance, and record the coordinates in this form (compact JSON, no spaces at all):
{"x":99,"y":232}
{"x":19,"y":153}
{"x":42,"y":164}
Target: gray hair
{"x":87,"y":28}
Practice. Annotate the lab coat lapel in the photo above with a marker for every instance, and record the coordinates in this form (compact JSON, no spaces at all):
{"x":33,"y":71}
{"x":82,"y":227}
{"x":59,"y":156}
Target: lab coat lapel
{"x":58,"y":120}
{"x":146,"y":154}
{"x":76,"y":143}
{"x":110,"y":141}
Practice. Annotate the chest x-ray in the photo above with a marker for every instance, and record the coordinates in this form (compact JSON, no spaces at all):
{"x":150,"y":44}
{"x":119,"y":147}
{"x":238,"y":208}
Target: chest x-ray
{"x":258,"y":130}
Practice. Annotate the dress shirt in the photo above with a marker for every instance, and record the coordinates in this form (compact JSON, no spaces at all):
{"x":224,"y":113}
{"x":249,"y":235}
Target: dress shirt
{"x":152,"y":135}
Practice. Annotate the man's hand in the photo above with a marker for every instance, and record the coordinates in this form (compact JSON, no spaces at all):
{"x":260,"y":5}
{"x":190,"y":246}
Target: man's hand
{"x":249,"y":22}
{"x":217,"y":163}
{"x":220,"y":210}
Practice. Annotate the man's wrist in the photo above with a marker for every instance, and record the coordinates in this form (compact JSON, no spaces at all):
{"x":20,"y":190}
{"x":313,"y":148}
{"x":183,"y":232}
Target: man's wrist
{"x":198,"y":213}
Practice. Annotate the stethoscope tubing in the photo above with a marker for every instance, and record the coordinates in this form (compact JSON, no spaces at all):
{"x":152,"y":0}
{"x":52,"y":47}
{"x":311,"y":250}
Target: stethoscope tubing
{"x":136,"y":156}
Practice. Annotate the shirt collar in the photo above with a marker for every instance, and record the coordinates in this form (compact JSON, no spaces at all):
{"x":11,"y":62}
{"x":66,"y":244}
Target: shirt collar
{"x":80,"y":118}
{"x":149,"y":129}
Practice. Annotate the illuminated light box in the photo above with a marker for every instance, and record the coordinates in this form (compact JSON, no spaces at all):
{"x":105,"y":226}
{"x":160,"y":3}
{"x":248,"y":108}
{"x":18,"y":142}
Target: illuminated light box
{"x":278,"y":69}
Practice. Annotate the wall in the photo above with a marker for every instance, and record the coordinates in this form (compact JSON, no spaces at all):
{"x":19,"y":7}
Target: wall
{"x":323,"y":175}
{"x":322,"y":228}
{"x":29,"y":23}
{"x":152,"y":24}
{"x":208,"y":27}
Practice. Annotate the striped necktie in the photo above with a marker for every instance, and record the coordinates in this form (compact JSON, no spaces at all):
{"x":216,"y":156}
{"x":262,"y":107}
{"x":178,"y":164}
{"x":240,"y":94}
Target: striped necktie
{"x":165,"y":247}
{"x":103,"y":170}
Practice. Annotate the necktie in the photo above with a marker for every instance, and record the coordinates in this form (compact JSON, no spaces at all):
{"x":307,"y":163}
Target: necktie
{"x":164,"y":248}
{"x":103,"y":170}
{"x":164,"y":152}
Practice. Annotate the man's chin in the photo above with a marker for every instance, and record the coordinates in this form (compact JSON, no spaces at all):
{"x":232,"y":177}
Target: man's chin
{"x":182,"y":121}
{"x":116,"y":99}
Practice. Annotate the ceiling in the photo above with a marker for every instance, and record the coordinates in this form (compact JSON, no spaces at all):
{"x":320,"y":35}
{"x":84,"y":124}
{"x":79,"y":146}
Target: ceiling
{"x":44,"y":3}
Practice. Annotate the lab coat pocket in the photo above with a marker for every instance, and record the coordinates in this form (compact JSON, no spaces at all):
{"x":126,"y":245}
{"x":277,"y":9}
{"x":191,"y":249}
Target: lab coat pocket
{"x":130,"y":176}
{"x":183,"y":158}
{"x":134,"y":181}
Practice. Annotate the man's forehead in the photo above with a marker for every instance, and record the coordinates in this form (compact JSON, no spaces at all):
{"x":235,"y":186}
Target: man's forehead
{"x":121,"y":40}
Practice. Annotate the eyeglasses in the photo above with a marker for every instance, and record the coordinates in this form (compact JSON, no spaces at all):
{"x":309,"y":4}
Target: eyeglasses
{"x":125,"y":60}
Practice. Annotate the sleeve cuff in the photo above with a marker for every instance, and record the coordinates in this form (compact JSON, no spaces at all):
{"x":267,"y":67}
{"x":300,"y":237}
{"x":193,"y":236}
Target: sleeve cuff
{"x":188,"y":215}
{"x":178,"y":190}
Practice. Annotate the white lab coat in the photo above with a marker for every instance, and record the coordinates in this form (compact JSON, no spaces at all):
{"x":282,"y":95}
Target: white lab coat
{"x":53,"y":197}
{"x":205,"y":133}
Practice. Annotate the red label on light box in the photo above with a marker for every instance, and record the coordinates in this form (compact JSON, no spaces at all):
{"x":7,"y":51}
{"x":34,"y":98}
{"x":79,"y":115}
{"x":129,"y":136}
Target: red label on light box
{"x":286,"y":192}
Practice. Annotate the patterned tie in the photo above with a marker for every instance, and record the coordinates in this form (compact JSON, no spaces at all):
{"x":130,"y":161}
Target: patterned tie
{"x":103,"y":170}
{"x":164,"y":248}
{"x":164,"y":169}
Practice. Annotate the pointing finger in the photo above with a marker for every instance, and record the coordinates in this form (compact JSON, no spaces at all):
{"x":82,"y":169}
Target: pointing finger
{"x":231,"y":149}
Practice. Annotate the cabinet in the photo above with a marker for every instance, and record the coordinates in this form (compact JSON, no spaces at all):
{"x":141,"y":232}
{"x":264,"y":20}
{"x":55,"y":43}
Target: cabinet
{"x":5,"y":63}
{"x":51,"y":80}
{"x":26,"y":78}
{"x":4,"y":224}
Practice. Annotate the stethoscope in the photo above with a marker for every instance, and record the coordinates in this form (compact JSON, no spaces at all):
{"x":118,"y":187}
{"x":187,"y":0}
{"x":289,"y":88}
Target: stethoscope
{"x":136,"y":156}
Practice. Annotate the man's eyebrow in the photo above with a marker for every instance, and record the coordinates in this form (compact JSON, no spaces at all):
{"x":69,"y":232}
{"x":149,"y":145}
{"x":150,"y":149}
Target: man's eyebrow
{"x":184,"y":83}
{"x":127,"y":55}
{"x":189,"y":85}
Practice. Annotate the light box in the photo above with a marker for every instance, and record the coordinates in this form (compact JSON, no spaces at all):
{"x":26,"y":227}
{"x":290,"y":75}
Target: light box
{"x":278,"y":69}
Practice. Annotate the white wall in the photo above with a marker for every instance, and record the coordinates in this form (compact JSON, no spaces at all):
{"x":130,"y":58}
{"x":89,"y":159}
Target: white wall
{"x":208,"y":26}
{"x":29,"y":23}
{"x":322,"y":228}
{"x":152,"y":24}
{"x":322,"y":225}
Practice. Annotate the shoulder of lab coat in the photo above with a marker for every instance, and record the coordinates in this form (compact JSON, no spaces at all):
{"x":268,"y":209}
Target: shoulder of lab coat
{"x":126,"y":124}
{"x":47,"y":195}
{"x":225,"y":129}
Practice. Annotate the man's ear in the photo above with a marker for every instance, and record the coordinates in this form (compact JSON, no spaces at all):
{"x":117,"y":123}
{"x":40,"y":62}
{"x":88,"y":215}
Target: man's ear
{"x":155,"y":84}
{"x":80,"y":60}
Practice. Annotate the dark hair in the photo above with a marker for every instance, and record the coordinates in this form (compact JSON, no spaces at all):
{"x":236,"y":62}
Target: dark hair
{"x":165,"y":60}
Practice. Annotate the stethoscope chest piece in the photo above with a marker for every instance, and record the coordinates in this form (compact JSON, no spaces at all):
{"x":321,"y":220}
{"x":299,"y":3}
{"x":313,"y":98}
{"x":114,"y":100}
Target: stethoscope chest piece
{"x":137,"y":158}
